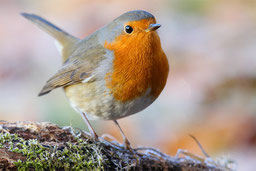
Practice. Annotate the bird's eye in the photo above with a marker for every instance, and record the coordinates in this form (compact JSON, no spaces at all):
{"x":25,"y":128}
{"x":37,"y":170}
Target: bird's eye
{"x":128,"y":29}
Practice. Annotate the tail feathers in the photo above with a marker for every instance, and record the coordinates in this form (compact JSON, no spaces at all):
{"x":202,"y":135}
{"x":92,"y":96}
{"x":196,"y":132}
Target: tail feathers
{"x":65,"y":40}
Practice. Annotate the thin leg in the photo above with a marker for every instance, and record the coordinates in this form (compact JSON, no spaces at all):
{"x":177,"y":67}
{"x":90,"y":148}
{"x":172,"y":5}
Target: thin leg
{"x":126,"y":141}
{"x":93,"y":133}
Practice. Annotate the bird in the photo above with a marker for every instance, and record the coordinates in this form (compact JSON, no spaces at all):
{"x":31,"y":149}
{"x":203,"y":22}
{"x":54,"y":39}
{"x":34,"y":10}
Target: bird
{"x":118,"y":70}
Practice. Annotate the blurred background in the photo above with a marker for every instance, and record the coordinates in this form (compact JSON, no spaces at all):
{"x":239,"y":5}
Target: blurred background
{"x":211,"y":89}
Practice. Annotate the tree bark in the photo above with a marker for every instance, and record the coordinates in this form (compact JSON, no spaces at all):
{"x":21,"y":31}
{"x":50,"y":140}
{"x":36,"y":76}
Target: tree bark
{"x":45,"y":146}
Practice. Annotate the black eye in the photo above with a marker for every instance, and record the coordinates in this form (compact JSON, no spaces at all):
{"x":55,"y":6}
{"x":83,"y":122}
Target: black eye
{"x":128,"y":29}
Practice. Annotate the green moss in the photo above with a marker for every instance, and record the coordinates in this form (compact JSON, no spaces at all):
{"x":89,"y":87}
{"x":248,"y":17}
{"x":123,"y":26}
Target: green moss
{"x":68,"y":156}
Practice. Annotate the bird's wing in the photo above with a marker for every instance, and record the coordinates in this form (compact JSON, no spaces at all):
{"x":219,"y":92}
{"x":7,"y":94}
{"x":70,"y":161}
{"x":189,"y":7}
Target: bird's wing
{"x":78,"y":68}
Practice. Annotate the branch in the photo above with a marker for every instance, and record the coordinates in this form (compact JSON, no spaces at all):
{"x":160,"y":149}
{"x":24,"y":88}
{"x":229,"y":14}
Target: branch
{"x":45,"y":146}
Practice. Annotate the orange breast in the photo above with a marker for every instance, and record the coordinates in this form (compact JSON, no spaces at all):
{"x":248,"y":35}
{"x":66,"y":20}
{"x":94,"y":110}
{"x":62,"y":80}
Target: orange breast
{"x":139,"y":64}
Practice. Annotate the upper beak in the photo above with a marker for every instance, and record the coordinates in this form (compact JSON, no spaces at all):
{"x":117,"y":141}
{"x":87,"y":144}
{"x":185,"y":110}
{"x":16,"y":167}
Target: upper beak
{"x":153,"y":27}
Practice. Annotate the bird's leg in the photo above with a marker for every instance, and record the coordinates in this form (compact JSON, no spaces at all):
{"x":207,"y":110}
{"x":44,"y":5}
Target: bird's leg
{"x":93,"y":133}
{"x":126,"y":142}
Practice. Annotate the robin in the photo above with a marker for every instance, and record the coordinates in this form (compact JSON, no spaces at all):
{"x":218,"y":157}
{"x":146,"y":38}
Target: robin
{"x":115,"y":72}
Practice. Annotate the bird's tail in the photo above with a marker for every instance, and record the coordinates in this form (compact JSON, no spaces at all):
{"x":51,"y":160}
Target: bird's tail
{"x":65,"y":41}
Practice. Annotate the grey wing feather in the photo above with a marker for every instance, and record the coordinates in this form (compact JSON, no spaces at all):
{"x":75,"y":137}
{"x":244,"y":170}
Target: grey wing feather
{"x":71,"y":74}
{"x":75,"y":70}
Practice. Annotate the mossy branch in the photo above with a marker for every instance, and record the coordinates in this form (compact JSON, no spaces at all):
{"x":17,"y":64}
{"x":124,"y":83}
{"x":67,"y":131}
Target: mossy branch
{"x":45,"y":146}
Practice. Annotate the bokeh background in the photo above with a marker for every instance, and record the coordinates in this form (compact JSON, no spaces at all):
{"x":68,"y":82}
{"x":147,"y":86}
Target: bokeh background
{"x":211,"y":89}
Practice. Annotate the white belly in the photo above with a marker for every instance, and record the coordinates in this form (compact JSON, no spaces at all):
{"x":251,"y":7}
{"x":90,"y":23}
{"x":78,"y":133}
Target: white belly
{"x":97,"y":102}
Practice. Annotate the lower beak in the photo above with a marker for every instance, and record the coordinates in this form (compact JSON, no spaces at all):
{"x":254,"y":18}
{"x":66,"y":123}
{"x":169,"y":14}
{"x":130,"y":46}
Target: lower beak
{"x":153,"y":27}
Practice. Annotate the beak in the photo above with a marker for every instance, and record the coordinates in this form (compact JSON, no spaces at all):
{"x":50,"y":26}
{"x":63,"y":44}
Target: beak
{"x":153,"y":27}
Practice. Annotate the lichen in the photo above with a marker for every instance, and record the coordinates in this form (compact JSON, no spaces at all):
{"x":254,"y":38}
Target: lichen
{"x":45,"y":146}
{"x":70,"y":156}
